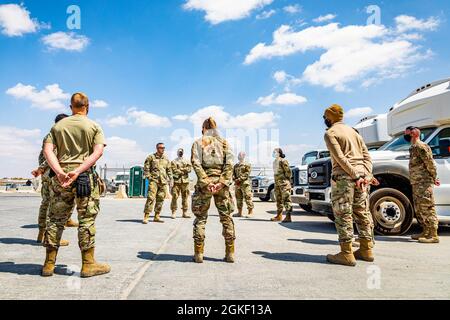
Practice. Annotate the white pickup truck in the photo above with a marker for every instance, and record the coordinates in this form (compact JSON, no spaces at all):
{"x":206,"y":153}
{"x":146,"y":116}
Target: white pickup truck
{"x":428,"y":108}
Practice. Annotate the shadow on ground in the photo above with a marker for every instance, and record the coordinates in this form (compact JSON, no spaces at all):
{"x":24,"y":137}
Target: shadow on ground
{"x":316,"y":241}
{"x":312,"y":226}
{"x":130,"y":221}
{"x":30,"y":226}
{"x":171,"y":257}
{"x":19,"y":241}
{"x":292,"y":257}
{"x":30,"y":269}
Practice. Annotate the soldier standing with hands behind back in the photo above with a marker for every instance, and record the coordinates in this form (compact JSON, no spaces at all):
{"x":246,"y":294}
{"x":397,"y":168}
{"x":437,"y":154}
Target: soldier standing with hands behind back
{"x":351,"y":177}
{"x":79,"y":143}
{"x":242,"y":184}
{"x":157,"y":169}
{"x":180,"y":172}
{"x":423,"y":176}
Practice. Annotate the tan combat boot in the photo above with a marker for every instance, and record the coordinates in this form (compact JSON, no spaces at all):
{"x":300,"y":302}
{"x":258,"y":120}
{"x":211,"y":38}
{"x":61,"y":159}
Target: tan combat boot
{"x":49,"y":264}
{"x":365,"y":251}
{"x":71,"y":224}
{"x":186,"y":215}
{"x":345,"y":257}
{"x":63,"y":243}
{"x":229,"y":252}
{"x":90,"y":267}
{"x":146,"y":216}
{"x":239,"y":214}
{"x":278,"y":217}
{"x":157,"y":218}
{"x":174,"y":215}
{"x":250,"y":213}
{"x":198,"y":252}
{"x":41,"y":234}
{"x":288,"y":218}
{"x":431,"y":237}
{"x":424,"y":234}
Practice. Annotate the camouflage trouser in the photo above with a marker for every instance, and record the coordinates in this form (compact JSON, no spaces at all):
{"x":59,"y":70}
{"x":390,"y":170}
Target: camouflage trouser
{"x":177,"y":189}
{"x":244,"y":191}
{"x":423,"y":197}
{"x":283,"y":196}
{"x":61,"y":206}
{"x":201,"y":201}
{"x":45,"y":203}
{"x":155,"y":197}
{"x":351,"y":204}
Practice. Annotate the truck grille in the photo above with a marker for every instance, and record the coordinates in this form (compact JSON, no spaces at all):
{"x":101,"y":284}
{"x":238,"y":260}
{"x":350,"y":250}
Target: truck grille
{"x":319,"y":174}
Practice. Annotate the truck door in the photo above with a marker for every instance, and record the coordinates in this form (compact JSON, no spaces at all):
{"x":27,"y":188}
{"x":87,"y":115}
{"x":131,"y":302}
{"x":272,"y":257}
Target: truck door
{"x":443,"y":168}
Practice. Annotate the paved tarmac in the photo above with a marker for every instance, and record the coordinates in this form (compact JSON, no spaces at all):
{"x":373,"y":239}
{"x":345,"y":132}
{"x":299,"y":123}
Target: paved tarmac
{"x":154,"y":261}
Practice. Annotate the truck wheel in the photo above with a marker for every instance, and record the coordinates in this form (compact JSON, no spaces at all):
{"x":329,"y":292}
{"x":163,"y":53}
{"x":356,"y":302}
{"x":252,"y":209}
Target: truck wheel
{"x":392,"y":212}
{"x":268,"y":196}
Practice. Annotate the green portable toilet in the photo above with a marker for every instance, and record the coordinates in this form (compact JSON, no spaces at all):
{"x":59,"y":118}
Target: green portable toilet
{"x":137,"y":182}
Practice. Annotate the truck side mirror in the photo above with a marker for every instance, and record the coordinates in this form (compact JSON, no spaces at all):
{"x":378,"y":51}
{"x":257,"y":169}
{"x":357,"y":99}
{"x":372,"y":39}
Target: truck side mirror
{"x":444,"y":148}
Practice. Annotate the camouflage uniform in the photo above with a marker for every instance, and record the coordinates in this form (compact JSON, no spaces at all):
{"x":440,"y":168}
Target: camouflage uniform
{"x":180,"y":171}
{"x":243,"y":188}
{"x":157,"y":169}
{"x":72,"y":149}
{"x":351,"y":160}
{"x":283,"y":187}
{"x":423,"y":175}
{"x":45,"y":190}
{"x":212,"y":161}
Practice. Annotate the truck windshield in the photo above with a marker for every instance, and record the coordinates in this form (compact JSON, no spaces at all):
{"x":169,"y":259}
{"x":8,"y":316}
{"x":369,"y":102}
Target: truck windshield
{"x":308,"y":158}
{"x":400,"y":144}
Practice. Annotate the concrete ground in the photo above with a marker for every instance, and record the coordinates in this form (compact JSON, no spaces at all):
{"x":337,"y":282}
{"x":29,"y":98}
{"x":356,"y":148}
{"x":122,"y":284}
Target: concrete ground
{"x":273,"y":261}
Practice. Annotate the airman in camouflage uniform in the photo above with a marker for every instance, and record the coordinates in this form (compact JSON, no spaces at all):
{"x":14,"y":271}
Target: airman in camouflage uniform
{"x":79,"y":143}
{"x":242,"y":185}
{"x":180,"y":172}
{"x":44,"y":171}
{"x":423,"y":176}
{"x":157,"y":169}
{"x":283,"y":186}
{"x":212,"y":161}
{"x":351,"y":179}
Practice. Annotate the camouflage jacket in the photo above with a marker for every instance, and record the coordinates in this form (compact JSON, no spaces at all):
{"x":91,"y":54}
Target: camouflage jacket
{"x":42,"y":161}
{"x":241,"y":172}
{"x":211,"y":157}
{"x":158,"y":169}
{"x":282,"y":172}
{"x":180,"y":170}
{"x":422,"y":169}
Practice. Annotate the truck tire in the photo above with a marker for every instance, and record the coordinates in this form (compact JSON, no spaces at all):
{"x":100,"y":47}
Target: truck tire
{"x":392,"y":212}
{"x":268,"y":196}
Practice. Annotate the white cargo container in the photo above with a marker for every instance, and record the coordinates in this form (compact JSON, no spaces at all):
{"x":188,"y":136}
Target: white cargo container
{"x":374,"y":130}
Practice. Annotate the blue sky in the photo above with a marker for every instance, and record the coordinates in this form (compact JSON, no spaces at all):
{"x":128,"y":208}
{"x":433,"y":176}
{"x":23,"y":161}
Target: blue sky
{"x":151,"y":61}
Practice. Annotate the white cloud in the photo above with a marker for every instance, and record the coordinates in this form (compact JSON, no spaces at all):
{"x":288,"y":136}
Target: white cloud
{"x":118,"y":121}
{"x":19,"y":149}
{"x":225,"y":120}
{"x":266,"y":14}
{"x":122,"y":152}
{"x":145,"y":119}
{"x":280,"y":76}
{"x":325,"y":18}
{"x":218,"y":11}
{"x":50,"y":98}
{"x":292,"y":9}
{"x":181,"y":117}
{"x":15,"y":20}
{"x":285,"y":99}
{"x":352,"y":53}
{"x":408,"y":23}
{"x":68,"y":41}
{"x":359,"y":112}
{"x":99,"y":104}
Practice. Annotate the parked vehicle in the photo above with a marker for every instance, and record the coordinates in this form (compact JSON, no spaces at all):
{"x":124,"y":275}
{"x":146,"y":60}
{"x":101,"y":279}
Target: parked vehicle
{"x":300,"y":178}
{"x":263,"y":183}
{"x":391,"y":202}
